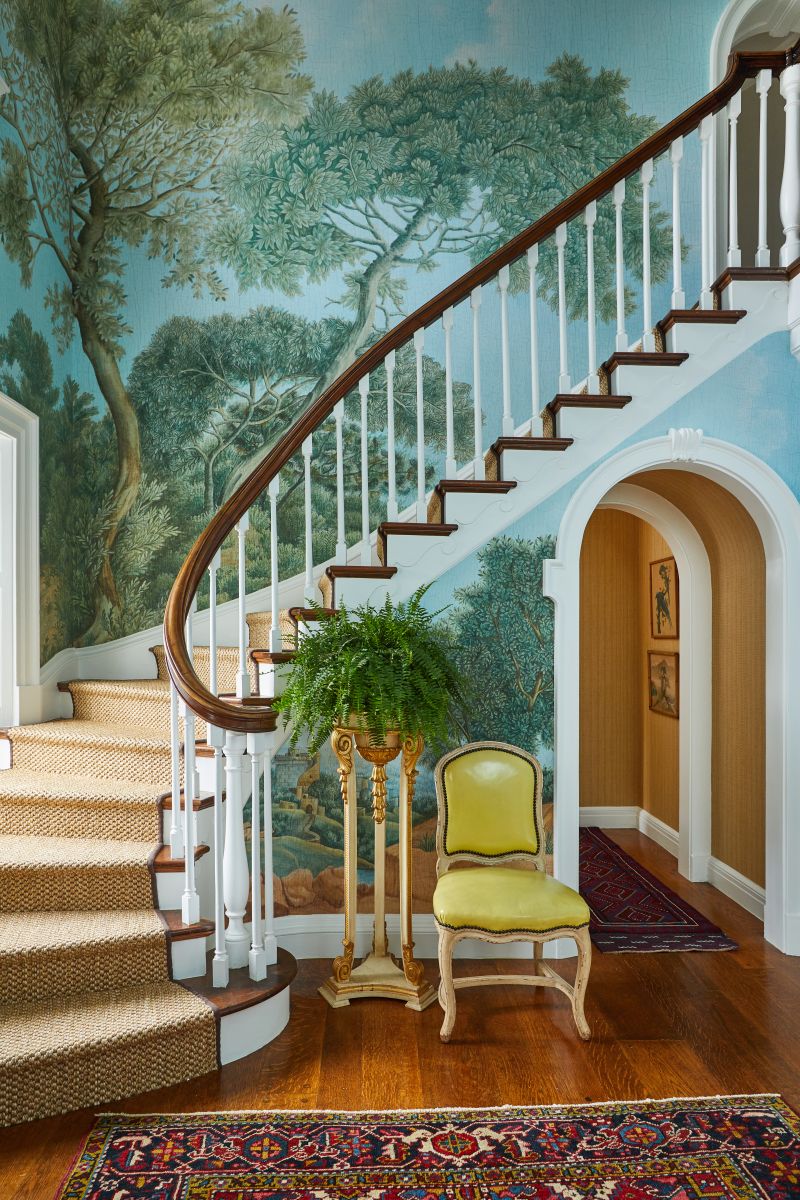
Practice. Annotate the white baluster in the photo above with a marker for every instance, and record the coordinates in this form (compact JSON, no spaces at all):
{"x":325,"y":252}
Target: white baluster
{"x":561,"y":245}
{"x":341,"y":539}
{"x":734,"y":251}
{"x":422,"y":512}
{"x":536,"y":407}
{"x":175,"y":830}
{"x":308,"y":588}
{"x":450,"y":465}
{"x":479,"y":467}
{"x":190,"y":901}
{"x":593,"y":379}
{"x":363,"y":391}
{"x":675,"y":156}
{"x":243,"y":675}
{"x":648,"y":337}
{"x":503,"y":280}
{"x":706,"y":171}
{"x":763,"y":84}
{"x":256,"y":745}
{"x":618,"y":195}
{"x":275,"y":636}
{"x":270,"y":942}
{"x":391,"y":504}
{"x":215,"y":738}
{"x":220,"y":970}
{"x":790,"y":184}
{"x":235,"y":869}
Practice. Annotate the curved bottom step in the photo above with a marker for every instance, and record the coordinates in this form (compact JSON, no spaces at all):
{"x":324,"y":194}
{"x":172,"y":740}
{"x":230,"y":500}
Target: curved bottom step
{"x":248,"y":1014}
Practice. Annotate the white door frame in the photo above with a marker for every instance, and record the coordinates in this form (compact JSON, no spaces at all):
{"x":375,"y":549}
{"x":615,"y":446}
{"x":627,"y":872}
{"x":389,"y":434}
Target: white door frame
{"x":776,"y":512}
{"x":694,"y":572}
{"x":19,"y":532}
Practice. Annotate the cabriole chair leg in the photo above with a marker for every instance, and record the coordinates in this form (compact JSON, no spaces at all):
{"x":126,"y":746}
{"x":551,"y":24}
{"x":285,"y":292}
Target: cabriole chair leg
{"x":447,"y":992}
{"x":584,"y":944}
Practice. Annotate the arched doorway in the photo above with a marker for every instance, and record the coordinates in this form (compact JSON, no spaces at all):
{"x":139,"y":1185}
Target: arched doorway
{"x":776,"y":514}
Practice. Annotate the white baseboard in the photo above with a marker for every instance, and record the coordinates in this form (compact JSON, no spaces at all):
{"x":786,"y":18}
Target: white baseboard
{"x":736,"y":887}
{"x":659,"y":832}
{"x":611,"y":816}
{"x":320,"y":936}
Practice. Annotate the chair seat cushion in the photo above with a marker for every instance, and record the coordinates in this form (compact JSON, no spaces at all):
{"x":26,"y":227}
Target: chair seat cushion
{"x":506,"y":900}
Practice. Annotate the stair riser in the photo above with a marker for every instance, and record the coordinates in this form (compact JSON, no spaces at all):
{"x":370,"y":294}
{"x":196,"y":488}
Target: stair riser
{"x":227,"y":666}
{"x":353,"y":592}
{"x":273,"y":679}
{"x":170,"y":884}
{"x":749,"y":294}
{"x":38,"y":1088}
{"x":86,"y":820}
{"x":462,"y":508}
{"x":122,"y":710}
{"x":584,"y":424}
{"x":410,"y":550}
{"x":203,"y":825}
{"x":688,"y":338}
{"x":524,"y":465}
{"x":641,"y":381}
{"x":53,"y":888}
{"x":119,"y":762}
{"x":90,"y":968}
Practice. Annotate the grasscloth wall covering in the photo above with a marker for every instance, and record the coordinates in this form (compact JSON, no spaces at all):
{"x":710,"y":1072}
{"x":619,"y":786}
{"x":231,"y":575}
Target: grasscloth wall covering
{"x":629,"y":755}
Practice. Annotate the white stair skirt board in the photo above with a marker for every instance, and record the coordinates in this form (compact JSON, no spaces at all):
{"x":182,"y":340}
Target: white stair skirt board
{"x":240,"y":1033}
{"x":748,"y":895}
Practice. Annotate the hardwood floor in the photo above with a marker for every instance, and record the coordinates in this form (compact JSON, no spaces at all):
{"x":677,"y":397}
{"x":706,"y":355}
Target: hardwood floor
{"x":663,"y":1024}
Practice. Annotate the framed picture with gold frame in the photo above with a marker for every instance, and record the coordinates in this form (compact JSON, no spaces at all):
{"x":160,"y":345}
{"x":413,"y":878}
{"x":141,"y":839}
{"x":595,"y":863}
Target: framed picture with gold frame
{"x":663,"y":598}
{"x":663,"y":682}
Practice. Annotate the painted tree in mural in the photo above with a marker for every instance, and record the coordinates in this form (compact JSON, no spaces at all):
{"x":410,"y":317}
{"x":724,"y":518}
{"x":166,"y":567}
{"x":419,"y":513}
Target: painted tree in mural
{"x":503,"y":638}
{"x":401,"y":172}
{"x":119,"y":114}
{"x":216,"y":391}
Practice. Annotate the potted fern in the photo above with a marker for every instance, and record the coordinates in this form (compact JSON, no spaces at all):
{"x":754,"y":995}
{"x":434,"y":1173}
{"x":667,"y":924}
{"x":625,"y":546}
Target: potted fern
{"x":386,"y":673}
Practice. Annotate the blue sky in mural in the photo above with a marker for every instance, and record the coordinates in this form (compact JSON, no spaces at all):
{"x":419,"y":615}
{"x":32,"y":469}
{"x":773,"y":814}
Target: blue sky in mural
{"x":665,"y":57}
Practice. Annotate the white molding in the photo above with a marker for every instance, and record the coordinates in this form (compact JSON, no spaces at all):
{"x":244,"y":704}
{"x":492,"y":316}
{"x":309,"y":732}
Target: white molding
{"x":319,"y":935}
{"x":610,"y":816}
{"x":776,"y":513}
{"x":747,"y":18}
{"x":659,"y":832}
{"x":22,"y":426}
{"x":737,"y":887}
{"x":242,"y":1032}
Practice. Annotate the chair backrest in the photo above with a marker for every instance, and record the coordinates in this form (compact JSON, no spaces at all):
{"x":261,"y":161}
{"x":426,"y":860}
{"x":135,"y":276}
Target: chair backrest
{"x":490,"y":805}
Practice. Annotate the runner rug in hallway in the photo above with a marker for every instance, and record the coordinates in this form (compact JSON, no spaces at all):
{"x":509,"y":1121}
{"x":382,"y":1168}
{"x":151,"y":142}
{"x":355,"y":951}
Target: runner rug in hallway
{"x":729,"y":1148}
{"x":634,"y":911}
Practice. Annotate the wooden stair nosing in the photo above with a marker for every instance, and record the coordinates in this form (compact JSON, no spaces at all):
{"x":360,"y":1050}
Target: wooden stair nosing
{"x":161,"y":862}
{"x":410,"y":529}
{"x":242,"y":991}
{"x":701,"y":316}
{"x":176,"y":931}
{"x":585,"y":400}
{"x":199,"y":804}
{"x":299,"y":614}
{"x":479,"y":486}
{"x":752,"y":275}
{"x":272,"y":656}
{"x":529,"y":443}
{"x":360,"y":572}
{"x":642,"y":358}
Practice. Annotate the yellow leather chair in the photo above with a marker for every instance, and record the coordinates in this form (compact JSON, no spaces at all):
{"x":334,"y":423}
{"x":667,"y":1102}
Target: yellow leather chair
{"x":490,"y":813}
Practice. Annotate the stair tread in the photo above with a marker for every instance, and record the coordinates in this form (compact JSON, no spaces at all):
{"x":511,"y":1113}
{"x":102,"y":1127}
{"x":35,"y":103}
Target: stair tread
{"x":417,"y":528}
{"x":489,"y":486}
{"x":33,"y":853}
{"x":19,"y":783}
{"x":95,"y":733}
{"x":359,"y":572}
{"x":33,"y":933}
{"x":587,"y":400}
{"x":644,"y":358}
{"x":702,"y":316}
{"x":127,"y":688}
{"x":77,"y":1024}
{"x":531,"y":443}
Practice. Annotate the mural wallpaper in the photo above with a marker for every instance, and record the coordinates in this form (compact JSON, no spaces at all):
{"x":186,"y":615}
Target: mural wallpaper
{"x":207,"y":210}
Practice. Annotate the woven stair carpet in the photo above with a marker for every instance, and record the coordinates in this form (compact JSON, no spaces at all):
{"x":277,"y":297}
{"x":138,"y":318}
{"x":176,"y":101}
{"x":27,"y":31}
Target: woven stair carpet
{"x":632,"y":910}
{"x":723,"y":1148}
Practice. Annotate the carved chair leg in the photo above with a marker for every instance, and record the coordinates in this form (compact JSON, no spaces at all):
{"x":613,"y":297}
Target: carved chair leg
{"x":447,"y":992}
{"x":584,"y":944}
{"x":538,"y":954}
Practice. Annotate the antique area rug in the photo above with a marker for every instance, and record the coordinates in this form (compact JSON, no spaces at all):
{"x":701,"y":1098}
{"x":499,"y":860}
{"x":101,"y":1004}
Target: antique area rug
{"x":723,"y":1148}
{"x":634,"y":911}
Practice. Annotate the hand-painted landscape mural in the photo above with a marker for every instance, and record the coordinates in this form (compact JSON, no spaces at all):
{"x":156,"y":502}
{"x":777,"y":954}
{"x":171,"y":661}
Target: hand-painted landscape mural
{"x":208,"y":210}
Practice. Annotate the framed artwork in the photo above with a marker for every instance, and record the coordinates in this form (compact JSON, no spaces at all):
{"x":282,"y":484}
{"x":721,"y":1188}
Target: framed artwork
{"x":663,"y":682}
{"x":663,"y":598}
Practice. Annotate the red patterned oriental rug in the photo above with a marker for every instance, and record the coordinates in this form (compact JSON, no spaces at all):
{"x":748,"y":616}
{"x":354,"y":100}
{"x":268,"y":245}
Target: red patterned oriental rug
{"x":728,"y":1148}
{"x":632,"y":910}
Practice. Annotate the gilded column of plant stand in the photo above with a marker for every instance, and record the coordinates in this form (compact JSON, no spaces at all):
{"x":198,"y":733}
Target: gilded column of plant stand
{"x":379,"y":974}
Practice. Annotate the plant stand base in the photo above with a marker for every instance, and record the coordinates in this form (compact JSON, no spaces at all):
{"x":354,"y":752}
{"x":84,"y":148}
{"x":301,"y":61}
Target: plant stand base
{"x":378,"y":976}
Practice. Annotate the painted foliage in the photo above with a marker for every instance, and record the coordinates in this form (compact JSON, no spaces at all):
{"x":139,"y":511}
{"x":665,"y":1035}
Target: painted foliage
{"x":208,"y":210}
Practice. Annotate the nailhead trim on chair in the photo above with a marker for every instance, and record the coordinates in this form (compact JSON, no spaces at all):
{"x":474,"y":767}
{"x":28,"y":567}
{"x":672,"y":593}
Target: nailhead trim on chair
{"x":480,"y":853}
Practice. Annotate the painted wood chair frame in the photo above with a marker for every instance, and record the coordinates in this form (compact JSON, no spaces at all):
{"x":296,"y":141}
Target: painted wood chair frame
{"x":543,"y":974}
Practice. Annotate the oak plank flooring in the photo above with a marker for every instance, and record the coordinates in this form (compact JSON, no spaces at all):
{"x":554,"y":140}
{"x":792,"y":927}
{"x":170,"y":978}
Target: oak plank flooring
{"x":664,"y":1025}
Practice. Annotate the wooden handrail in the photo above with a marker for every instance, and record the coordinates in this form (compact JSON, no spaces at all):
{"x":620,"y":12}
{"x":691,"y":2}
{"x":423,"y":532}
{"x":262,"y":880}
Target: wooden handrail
{"x":252,"y":719}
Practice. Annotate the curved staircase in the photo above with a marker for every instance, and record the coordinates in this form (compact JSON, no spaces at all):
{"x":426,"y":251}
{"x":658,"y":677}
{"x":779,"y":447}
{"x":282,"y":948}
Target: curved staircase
{"x":116,"y":869}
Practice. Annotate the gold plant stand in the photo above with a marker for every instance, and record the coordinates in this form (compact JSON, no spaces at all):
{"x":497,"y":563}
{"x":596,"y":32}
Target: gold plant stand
{"x":380,"y":974}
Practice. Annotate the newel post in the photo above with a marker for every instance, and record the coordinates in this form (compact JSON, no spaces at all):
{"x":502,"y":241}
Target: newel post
{"x":790,"y":185}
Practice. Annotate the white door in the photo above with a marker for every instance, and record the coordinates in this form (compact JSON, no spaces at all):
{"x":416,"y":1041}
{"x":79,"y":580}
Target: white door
{"x":7,"y":580}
